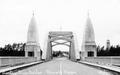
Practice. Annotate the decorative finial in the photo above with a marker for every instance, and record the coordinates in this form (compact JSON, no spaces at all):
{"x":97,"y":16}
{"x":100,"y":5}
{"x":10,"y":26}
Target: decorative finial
{"x":33,"y":13}
{"x":60,"y":27}
{"x":88,"y":13}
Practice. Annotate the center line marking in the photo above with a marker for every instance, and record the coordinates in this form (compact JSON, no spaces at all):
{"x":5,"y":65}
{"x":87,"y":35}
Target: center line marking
{"x":60,"y":68}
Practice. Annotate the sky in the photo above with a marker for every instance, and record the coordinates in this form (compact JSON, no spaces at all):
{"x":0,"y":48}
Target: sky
{"x":51,"y":15}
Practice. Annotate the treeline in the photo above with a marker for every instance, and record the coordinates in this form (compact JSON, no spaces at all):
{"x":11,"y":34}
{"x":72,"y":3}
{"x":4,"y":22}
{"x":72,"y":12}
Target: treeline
{"x":59,"y":53}
{"x":112,"y":51}
{"x":16,"y":49}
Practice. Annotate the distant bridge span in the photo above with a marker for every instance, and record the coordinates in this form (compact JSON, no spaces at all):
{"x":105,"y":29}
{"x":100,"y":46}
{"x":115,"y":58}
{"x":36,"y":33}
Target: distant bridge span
{"x":67,"y":36}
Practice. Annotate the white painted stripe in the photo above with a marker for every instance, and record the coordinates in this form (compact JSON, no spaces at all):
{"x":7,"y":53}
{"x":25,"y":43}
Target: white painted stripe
{"x":60,"y":69}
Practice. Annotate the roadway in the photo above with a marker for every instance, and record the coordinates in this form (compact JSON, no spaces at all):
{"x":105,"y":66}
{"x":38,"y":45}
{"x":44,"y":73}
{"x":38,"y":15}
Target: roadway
{"x":61,"y":66}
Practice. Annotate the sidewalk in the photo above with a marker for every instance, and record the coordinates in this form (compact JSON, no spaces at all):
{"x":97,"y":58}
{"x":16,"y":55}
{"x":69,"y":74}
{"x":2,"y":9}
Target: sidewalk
{"x":9,"y":68}
{"x":105,"y":66}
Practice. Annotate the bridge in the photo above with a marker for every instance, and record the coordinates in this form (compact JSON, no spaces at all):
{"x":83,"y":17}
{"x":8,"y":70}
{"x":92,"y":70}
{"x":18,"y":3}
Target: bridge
{"x":86,"y":64}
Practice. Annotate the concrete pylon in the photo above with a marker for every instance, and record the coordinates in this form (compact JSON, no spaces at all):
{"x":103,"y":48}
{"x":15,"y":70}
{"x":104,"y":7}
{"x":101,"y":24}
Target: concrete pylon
{"x":88,"y":44}
{"x":32,"y":48}
{"x":49,"y":50}
{"x":72,"y":50}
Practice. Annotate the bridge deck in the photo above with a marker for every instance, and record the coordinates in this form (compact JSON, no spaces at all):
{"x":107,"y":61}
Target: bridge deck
{"x":61,"y":66}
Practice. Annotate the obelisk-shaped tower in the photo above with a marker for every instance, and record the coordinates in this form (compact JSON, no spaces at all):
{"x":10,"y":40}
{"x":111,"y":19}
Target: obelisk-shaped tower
{"x":32,"y":48}
{"x":108,"y":45}
{"x":88,"y":44}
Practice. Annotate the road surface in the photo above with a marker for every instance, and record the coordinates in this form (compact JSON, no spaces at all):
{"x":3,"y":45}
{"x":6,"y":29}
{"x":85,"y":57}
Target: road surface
{"x":61,"y":66}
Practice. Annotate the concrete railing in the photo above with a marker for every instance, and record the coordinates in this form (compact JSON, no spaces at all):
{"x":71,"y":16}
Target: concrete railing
{"x":114,"y":60}
{"x":11,"y":61}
